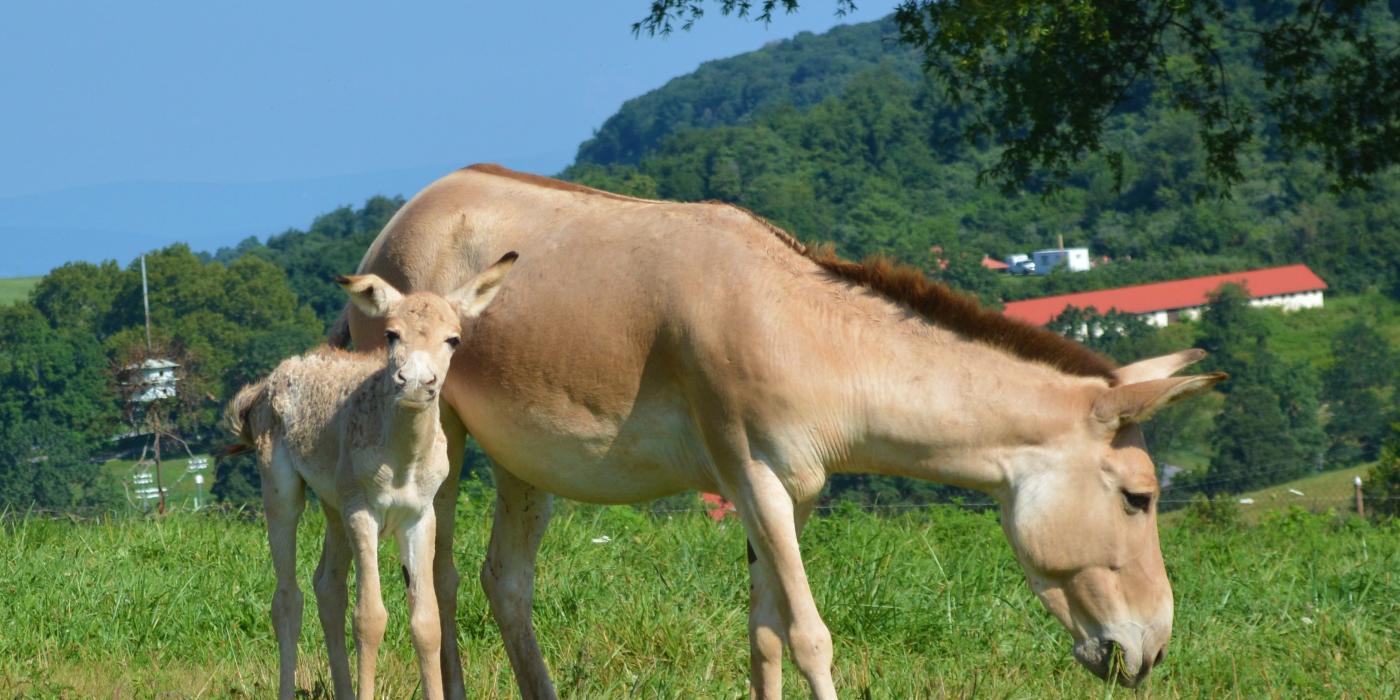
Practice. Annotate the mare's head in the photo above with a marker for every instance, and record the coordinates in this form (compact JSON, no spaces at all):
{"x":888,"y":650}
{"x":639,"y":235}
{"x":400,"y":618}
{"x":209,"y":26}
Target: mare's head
{"x":422,"y":329}
{"x":1081,"y":514}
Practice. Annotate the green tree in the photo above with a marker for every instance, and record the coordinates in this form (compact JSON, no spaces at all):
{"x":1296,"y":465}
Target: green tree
{"x":1123,"y":337}
{"x":1355,"y":386}
{"x":1043,"y":79}
{"x":1272,"y":432}
{"x":53,"y":376}
{"x":78,"y":296}
{"x":1252,"y":442}
{"x":1381,"y":486}
{"x":311,"y":259}
{"x":1231,"y":331}
{"x":46,"y":466}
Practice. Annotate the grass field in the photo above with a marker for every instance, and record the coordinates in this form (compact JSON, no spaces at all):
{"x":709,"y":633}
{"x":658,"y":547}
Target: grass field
{"x":1320,"y":491}
{"x":180,"y":487}
{"x":926,"y":604}
{"x":13,"y":289}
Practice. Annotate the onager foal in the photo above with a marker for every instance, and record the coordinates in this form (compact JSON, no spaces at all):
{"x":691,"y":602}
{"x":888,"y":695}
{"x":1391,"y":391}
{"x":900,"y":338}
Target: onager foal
{"x":363,"y":431}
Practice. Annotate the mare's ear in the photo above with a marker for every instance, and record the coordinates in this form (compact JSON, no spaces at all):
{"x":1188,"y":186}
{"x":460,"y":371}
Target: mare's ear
{"x":473,"y":297}
{"x":1158,"y":367}
{"x":370,"y":294}
{"x":1135,"y":403}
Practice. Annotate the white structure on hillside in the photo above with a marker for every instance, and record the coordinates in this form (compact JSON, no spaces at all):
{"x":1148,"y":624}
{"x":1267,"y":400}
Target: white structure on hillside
{"x":151,"y":380}
{"x":1072,"y":259}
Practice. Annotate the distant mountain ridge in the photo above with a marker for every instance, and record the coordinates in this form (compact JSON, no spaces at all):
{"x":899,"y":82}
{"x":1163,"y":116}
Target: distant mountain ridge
{"x":798,"y":72}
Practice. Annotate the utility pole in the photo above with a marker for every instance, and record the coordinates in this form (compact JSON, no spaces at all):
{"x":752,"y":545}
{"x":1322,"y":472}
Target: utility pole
{"x":146,"y":303}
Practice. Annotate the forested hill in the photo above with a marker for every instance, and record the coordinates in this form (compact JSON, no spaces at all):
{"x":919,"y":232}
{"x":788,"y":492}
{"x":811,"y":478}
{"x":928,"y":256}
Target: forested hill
{"x":839,"y":138}
{"x":798,"y":72}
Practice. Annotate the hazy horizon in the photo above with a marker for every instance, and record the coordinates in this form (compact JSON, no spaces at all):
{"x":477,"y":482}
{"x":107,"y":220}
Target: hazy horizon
{"x":146,"y":124}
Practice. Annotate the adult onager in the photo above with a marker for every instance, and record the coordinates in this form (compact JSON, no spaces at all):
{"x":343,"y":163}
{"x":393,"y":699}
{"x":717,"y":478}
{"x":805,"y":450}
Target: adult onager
{"x":363,"y":431}
{"x":649,"y":347}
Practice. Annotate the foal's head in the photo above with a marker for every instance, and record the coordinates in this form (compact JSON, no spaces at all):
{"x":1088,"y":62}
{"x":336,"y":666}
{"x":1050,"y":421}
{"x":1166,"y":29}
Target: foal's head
{"x":422,"y":329}
{"x":1082,"y":518}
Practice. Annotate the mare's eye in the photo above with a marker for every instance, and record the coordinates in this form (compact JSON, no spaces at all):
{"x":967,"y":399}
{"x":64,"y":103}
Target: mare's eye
{"x":391,"y":336}
{"x":1137,"y":501}
{"x":453,"y":342}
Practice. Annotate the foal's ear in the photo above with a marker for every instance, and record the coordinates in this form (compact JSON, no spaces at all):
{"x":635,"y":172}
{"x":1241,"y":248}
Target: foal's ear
{"x":1135,"y":403}
{"x":370,"y":294}
{"x":1158,"y":367}
{"x":473,"y":297}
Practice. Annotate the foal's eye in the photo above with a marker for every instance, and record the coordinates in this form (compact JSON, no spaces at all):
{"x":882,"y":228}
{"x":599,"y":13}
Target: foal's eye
{"x":1137,"y":501}
{"x":453,"y":342}
{"x":391,"y":336}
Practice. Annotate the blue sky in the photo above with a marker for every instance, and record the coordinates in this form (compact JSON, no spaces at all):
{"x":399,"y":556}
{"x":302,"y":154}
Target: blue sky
{"x":133,"y":124}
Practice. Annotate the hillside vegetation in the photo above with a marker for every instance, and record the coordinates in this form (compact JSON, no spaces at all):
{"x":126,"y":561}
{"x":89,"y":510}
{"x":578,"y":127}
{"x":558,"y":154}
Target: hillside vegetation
{"x":878,"y":165}
{"x":928,"y":603}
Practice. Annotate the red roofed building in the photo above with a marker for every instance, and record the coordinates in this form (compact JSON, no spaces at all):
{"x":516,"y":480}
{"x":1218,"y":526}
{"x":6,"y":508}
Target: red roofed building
{"x":993,"y":264}
{"x":1291,"y":287}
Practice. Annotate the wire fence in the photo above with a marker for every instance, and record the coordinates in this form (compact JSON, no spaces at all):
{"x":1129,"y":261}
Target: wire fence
{"x":251,"y":512}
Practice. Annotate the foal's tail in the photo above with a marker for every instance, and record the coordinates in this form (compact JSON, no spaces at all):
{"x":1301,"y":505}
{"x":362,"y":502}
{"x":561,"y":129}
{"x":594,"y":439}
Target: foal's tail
{"x":238,"y":416}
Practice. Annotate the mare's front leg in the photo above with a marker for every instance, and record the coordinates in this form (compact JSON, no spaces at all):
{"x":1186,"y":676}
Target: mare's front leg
{"x":284,"y":496}
{"x":508,"y":575}
{"x":445,"y":578}
{"x":766,"y":628}
{"x":370,"y":615}
{"x":416,"y":558}
{"x":770,"y":518}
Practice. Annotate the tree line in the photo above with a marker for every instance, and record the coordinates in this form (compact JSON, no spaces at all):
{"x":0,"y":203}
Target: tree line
{"x":229,"y":317}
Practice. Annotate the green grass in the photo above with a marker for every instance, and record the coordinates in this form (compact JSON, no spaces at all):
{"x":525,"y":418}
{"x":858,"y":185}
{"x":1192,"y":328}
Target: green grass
{"x":927,"y":604}
{"x":13,"y":289}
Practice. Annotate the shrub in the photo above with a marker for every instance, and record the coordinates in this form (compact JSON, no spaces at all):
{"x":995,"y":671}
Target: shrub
{"x":1381,"y":486}
{"x":1205,"y":512}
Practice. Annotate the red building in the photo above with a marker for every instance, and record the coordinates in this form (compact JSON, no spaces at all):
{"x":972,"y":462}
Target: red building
{"x":1291,"y":287}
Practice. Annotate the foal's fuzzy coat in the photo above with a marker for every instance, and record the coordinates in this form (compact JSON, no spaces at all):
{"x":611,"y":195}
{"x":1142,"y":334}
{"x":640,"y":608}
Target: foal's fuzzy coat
{"x":363,"y":431}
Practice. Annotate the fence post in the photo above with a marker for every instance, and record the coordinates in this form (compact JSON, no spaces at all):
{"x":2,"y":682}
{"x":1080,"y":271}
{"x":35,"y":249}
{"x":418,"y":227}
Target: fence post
{"x":1360,"y":506}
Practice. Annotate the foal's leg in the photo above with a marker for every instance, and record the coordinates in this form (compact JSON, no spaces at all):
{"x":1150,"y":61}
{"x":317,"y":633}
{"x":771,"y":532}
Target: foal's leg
{"x":284,"y":496}
{"x":370,"y":616}
{"x":522,"y":513}
{"x":445,"y":579}
{"x":770,"y":519}
{"x":766,"y":629}
{"x":331,"y":599}
{"x":416,"y":558}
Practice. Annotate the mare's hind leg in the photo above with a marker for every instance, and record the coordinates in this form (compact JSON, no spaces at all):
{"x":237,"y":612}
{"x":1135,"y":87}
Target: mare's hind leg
{"x":331,"y":599}
{"x":445,"y":578}
{"x":766,"y":630}
{"x":522,"y":513}
{"x":284,"y":496}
